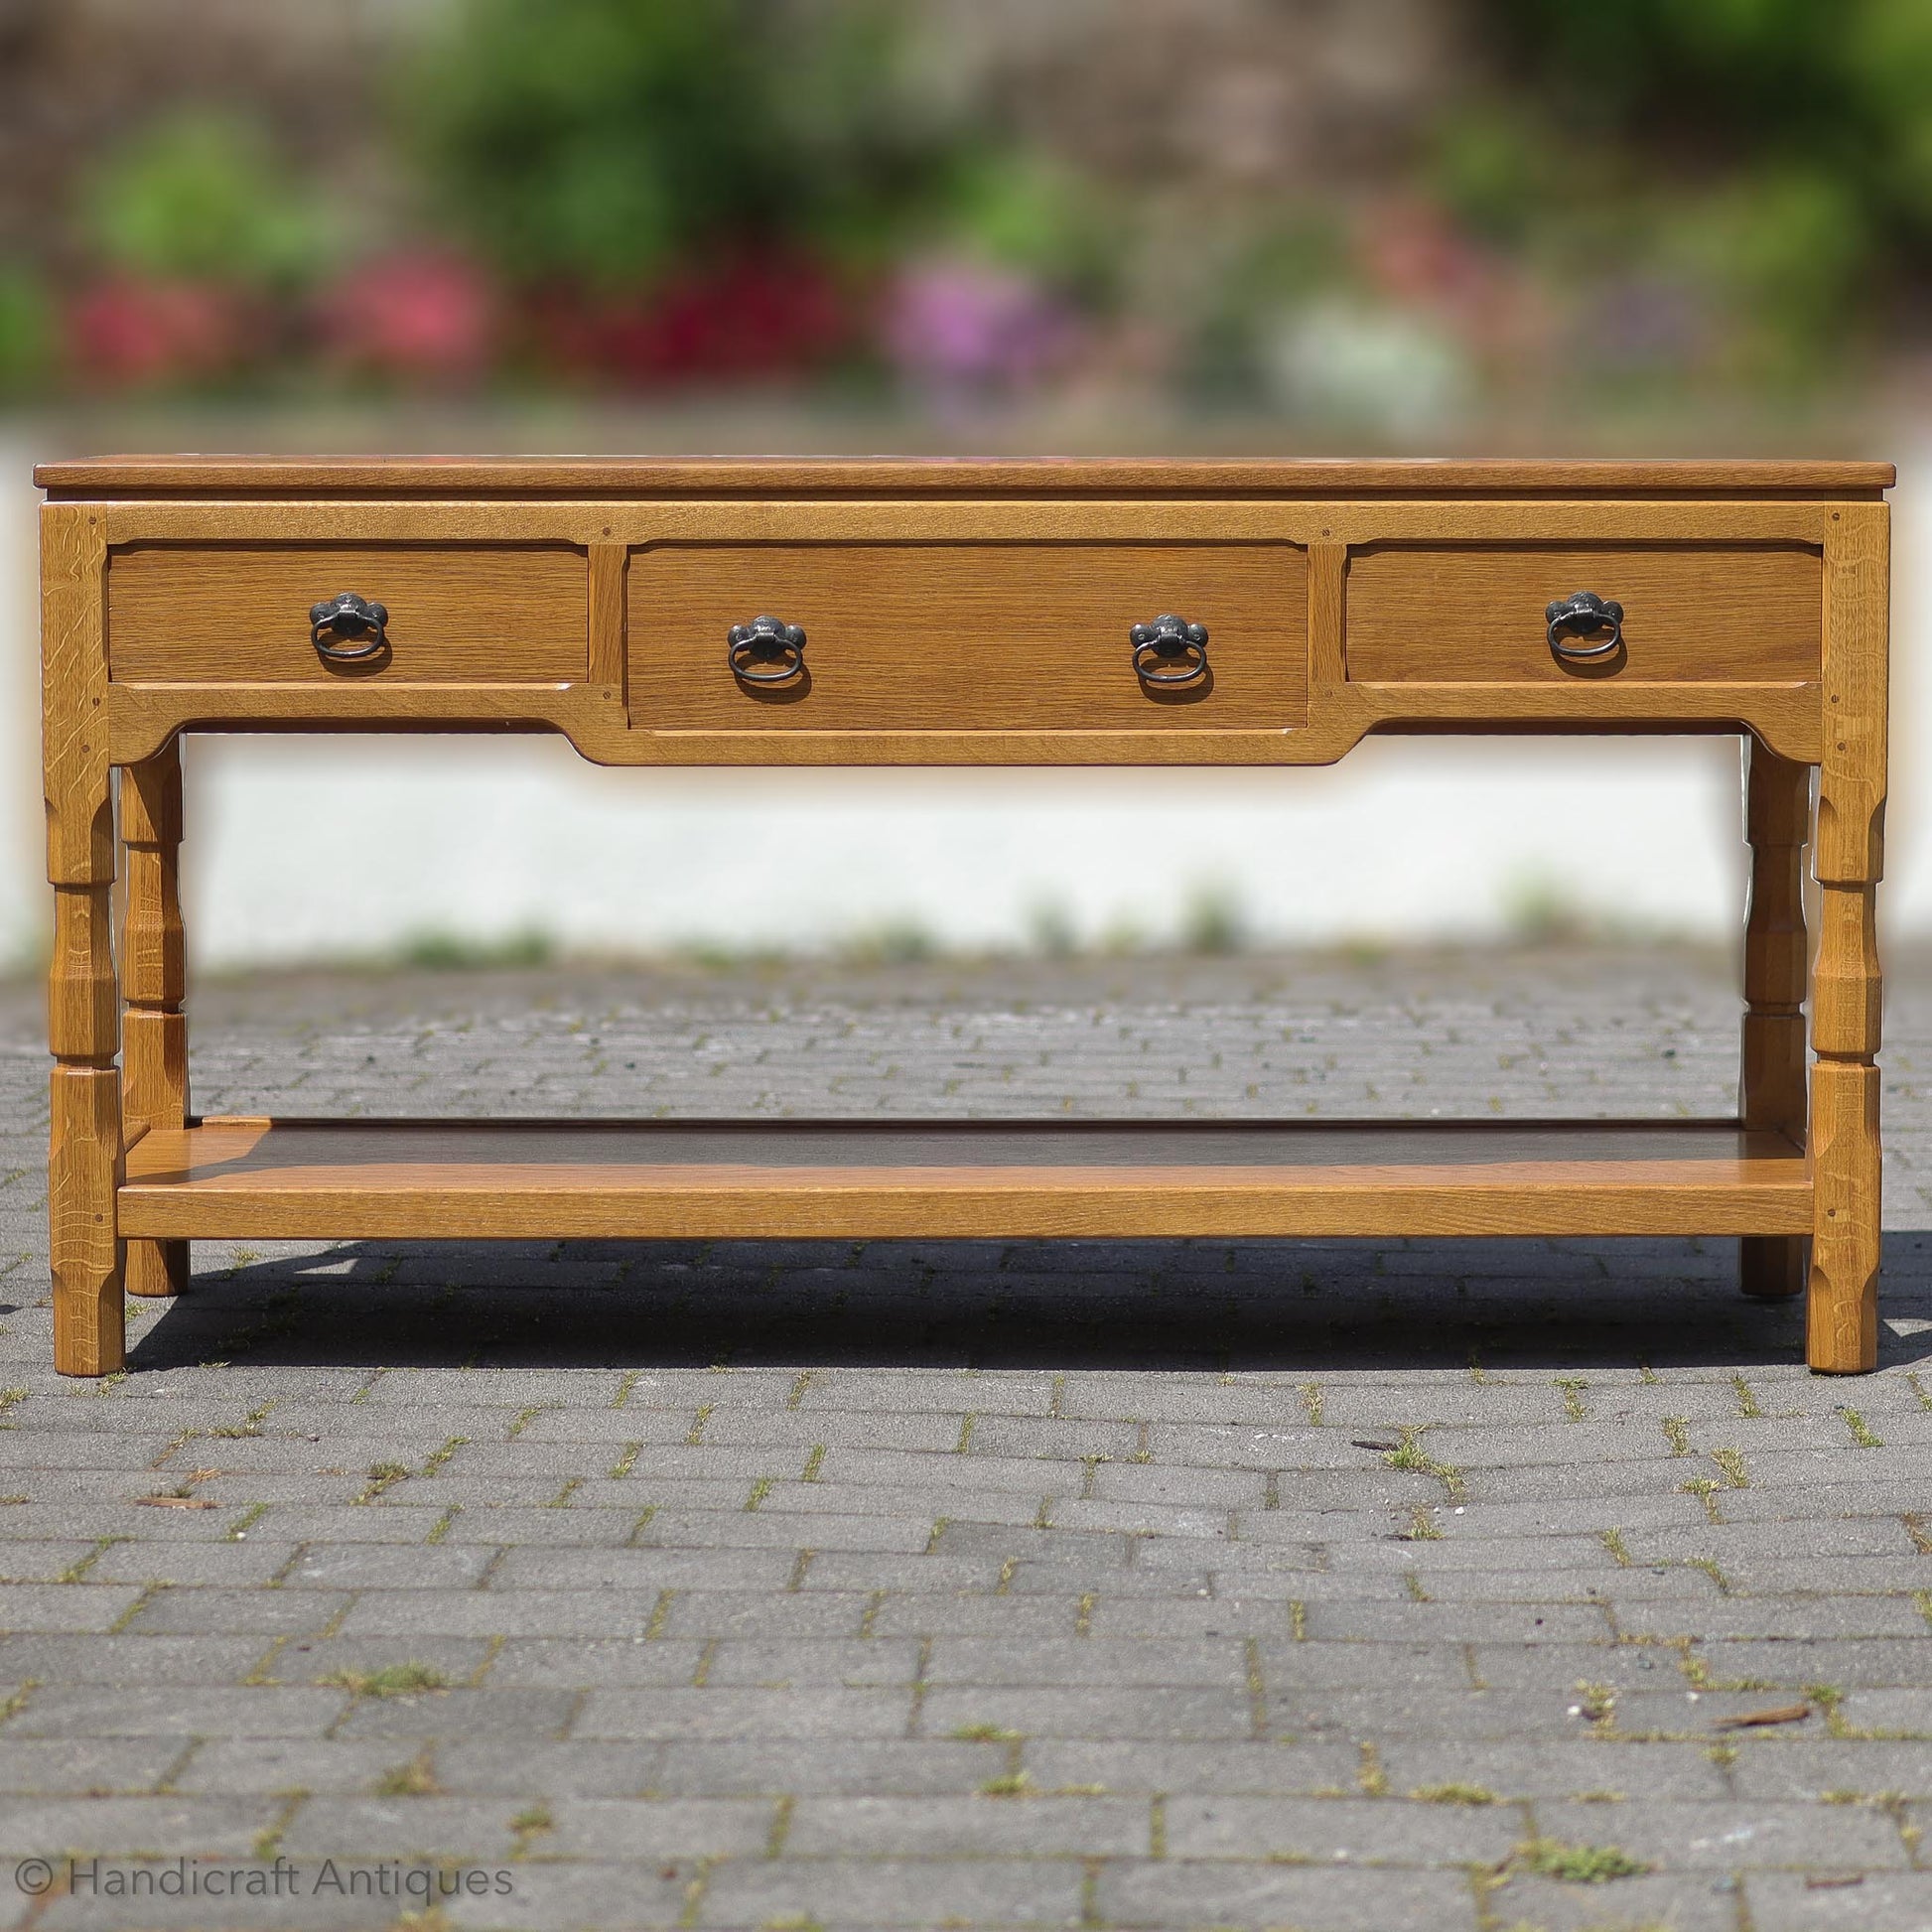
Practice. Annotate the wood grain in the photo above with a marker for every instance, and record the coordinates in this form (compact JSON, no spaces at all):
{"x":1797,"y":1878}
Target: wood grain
{"x":970,"y":614}
{"x":83,"y":998}
{"x":968,"y":637}
{"x":1771,"y":1084}
{"x":767,"y":476}
{"x":609,"y":563}
{"x":295,"y":1180}
{"x":142,"y":717}
{"x":84,"y":1171}
{"x":1073,"y":518}
{"x":153,"y":982}
{"x":74,"y":686}
{"x":239,"y":612}
{"x":1846,"y":992}
{"x":1737,"y":613}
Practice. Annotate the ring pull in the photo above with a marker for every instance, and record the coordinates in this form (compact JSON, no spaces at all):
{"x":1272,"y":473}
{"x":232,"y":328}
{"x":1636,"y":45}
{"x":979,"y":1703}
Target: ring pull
{"x":767,"y":650}
{"x":1584,"y":615}
{"x":342,"y":620}
{"x":1169,"y":652}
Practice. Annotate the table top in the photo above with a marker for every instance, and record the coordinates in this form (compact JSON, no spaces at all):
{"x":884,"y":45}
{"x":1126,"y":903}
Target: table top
{"x":616,"y":476}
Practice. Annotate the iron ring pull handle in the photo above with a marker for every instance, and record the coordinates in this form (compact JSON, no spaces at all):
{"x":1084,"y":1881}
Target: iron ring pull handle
{"x":748,"y":643}
{"x":1584,"y":615}
{"x":1170,"y":650}
{"x":341,"y":618}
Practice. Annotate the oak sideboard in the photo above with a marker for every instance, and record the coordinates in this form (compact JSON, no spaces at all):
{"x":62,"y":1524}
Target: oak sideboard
{"x":781,"y":613}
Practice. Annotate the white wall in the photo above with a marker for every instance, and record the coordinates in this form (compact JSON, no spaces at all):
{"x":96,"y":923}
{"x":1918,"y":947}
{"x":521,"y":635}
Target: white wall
{"x":299,"y":847}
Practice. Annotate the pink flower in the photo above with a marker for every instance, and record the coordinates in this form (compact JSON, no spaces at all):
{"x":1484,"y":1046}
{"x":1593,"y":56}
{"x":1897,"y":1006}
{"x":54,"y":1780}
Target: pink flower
{"x":951,"y":323}
{"x":140,"y":332}
{"x":414,"y":318}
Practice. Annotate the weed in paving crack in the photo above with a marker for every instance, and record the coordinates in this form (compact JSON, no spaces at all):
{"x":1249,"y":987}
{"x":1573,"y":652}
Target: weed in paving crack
{"x":1014,"y":1784}
{"x":391,"y":1681}
{"x":1861,"y":1430}
{"x":1453,"y":1794}
{"x":412,"y":1780}
{"x":1706,"y":1489}
{"x":382,"y":1475}
{"x":249,"y":1425}
{"x":1410,"y":1455}
{"x":528,"y":1826}
{"x":1598,"y":1703}
{"x":1575,"y":1865}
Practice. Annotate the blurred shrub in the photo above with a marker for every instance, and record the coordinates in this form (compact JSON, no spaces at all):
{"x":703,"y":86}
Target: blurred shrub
{"x":1787,"y":145}
{"x":607,"y":142}
{"x":202,"y":196}
{"x":27,"y":331}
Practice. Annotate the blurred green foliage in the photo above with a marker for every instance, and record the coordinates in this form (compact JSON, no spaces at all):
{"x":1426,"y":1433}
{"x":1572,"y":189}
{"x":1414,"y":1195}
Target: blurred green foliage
{"x":1782,"y":149}
{"x":27,"y":329}
{"x":607,"y":140}
{"x":205,"y":195}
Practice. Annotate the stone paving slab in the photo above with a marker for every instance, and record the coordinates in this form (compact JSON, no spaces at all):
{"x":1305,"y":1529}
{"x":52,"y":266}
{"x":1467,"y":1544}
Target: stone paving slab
{"x":1160,"y":1584}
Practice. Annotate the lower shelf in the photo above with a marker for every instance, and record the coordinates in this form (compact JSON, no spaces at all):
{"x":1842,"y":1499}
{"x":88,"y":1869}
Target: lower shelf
{"x":300,"y":1180}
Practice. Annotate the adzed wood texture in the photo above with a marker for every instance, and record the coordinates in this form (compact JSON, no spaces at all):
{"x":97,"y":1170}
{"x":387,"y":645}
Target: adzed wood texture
{"x":964,"y":613}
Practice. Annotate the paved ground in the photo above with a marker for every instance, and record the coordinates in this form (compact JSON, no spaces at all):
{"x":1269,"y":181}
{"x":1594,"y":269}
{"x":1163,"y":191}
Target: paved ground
{"x":1145,"y":1584}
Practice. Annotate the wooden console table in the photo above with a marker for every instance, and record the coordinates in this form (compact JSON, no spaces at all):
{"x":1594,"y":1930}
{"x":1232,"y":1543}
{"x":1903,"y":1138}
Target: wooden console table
{"x":884,"y":613}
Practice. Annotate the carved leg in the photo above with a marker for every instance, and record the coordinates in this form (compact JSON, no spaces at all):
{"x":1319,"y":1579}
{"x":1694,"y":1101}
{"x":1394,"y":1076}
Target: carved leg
{"x":84,"y":1167}
{"x":154,"y":1029}
{"x":1771,"y":1088}
{"x":1847,"y":994}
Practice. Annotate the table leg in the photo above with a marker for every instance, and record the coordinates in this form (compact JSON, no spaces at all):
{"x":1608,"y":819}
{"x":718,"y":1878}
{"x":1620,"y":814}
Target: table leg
{"x":154,"y":1029}
{"x":84,"y":1167}
{"x":1846,"y":992}
{"x":1772,"y":1086}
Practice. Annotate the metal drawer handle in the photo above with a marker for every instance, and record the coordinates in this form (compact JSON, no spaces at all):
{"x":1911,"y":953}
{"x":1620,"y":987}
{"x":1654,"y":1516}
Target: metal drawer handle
{"x":344,"y":617}
{"x":751,"y":646}
{"x":1585,"y":616}
{"x":1170,"y":650}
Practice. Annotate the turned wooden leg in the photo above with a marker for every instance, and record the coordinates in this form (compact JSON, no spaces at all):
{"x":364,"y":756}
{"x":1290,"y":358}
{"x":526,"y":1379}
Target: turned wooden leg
{"x":1846,"y":993}
{"x":83,"y":1169}
{"x":1771,"y":1084}
{"x":154,"y":1029}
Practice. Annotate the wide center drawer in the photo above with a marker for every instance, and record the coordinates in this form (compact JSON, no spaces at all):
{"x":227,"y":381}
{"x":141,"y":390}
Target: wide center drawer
{"x":1479,"y":612}
{"x":968,"y":635}
{"x":239,"y":612}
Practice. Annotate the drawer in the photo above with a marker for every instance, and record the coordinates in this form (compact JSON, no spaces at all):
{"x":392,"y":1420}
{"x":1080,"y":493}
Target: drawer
{"x":969,"y":636}
{"x":238,"y":613}
{"x":1476,"y":614}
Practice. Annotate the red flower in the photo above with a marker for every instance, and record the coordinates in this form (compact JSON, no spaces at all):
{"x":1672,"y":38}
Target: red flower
{"x":137,"y":332}
{"x":745,"y":318}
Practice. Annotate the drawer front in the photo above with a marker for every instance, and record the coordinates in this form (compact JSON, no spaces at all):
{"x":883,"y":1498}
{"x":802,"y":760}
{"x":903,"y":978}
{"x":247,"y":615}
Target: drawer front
{"x":238,"y":613}
{"x":1476,"y":614}
{"x":978,"y":635}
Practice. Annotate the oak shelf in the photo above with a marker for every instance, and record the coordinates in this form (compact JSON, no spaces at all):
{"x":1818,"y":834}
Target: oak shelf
{"x":699,"y":1180}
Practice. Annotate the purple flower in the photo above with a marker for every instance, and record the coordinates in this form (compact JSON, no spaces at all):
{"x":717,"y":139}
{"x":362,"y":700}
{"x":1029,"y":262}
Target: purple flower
{"x":954,"y":324}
